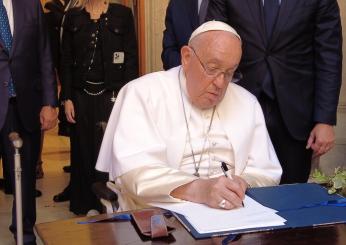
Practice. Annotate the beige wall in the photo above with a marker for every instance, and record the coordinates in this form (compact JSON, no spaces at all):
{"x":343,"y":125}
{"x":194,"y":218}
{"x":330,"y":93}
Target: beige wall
{"x":155,"y":12}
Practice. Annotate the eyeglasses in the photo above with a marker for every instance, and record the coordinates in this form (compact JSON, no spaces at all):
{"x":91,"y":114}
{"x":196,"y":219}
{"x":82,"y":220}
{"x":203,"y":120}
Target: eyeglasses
{"x":215,"y":72}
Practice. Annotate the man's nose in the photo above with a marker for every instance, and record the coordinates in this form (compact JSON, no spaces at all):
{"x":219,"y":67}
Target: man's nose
{"x":220,"y":80}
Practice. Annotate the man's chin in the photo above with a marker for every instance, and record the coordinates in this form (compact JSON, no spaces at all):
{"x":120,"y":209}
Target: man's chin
{"x":206,"y":103}
{"x":206,"y":106}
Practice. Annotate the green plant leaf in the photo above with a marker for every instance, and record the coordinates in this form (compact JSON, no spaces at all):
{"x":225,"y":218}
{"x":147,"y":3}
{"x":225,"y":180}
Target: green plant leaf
{"x":320,"y":177}
{"x":331,"y":190}
{"x":338,"y":182}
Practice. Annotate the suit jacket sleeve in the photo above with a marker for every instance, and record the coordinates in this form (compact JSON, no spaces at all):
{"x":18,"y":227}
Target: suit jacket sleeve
{"x":48,"y":78}
{"x":171,"y":50}
{"x":217,"y":10}
{"x":328,"y":61}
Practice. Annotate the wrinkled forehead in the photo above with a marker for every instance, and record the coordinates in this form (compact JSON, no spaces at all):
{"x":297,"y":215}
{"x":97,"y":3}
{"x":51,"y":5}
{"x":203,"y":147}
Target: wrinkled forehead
{"x":214,"y":42}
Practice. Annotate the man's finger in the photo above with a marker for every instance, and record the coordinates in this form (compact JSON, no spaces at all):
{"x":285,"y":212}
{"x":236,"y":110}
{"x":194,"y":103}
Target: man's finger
{"x":235,"y":187}
{"x":310,"y":141}
{"x":232,"y":198}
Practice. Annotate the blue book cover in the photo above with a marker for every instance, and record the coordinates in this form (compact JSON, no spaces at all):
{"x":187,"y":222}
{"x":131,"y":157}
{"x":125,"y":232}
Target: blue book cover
{"x":302,"y":205}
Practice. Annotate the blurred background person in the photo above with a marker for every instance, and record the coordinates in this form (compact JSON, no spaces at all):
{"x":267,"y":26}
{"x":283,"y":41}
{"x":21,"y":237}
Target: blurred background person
{"x":99,"y":56}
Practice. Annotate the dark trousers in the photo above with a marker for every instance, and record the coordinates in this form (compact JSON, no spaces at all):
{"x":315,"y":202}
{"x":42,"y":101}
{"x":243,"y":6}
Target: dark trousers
{"x":29,"y":156}
{"x":295,"y":159}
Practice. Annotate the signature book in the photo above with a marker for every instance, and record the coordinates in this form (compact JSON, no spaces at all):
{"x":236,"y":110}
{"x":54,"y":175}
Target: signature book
{"x":300,"y":205}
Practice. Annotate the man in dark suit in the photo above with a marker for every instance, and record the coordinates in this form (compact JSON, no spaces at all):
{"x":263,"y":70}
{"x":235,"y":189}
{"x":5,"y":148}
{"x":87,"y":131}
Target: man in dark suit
{"x":28,"y":95}
{"x":292,"y":60}
{"x":182,"y":18}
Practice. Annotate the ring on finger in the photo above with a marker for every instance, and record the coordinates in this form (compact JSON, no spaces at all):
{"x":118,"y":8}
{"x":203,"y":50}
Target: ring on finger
{"x":222,"y":203}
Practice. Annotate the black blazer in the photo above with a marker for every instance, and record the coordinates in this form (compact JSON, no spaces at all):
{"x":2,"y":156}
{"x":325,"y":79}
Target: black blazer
{"x":29,"y":62}
{"x":304,"y":56}
{"x":118,"y":32}
{"x":181,"y":20}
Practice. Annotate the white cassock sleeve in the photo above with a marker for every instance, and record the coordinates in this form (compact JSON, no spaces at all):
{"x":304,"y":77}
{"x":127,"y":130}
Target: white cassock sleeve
{"x":263,"y":167}
{"x":154,"y":183}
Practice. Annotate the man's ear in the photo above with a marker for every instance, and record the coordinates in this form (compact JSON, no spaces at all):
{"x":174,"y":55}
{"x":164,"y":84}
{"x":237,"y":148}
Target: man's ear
{"x":185,"y":53}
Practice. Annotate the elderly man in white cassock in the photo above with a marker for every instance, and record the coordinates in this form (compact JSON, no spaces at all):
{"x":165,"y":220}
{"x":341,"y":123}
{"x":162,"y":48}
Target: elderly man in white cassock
{"x":170,"y":131}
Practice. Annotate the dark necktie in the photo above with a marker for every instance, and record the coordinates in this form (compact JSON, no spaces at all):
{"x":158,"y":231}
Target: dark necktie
{"x":6,"y":37}
{"x":270,"y":11}
{"x":202,"y":14}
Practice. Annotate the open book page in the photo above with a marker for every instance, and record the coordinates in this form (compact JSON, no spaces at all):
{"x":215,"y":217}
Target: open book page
{"x":205,"y":219}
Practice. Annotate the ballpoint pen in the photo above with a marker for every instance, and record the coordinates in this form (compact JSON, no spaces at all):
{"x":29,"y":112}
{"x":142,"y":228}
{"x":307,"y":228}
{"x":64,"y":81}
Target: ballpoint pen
{"x":224,"y":170}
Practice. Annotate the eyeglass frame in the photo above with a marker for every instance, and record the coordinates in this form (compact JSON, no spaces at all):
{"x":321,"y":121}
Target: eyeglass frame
{"x":235,"y":74}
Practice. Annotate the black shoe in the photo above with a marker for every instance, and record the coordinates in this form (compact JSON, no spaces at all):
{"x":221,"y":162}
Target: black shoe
{"x":61,"y":197}
{"x":67,"y":169}
{"x":38,"y":193}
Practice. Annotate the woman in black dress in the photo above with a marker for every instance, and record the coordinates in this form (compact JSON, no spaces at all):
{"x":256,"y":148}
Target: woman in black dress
{"x":99,"y":55}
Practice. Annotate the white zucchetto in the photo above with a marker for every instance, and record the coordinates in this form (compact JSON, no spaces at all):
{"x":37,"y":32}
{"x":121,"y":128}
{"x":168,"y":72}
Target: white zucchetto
{"x":213,"y":26}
